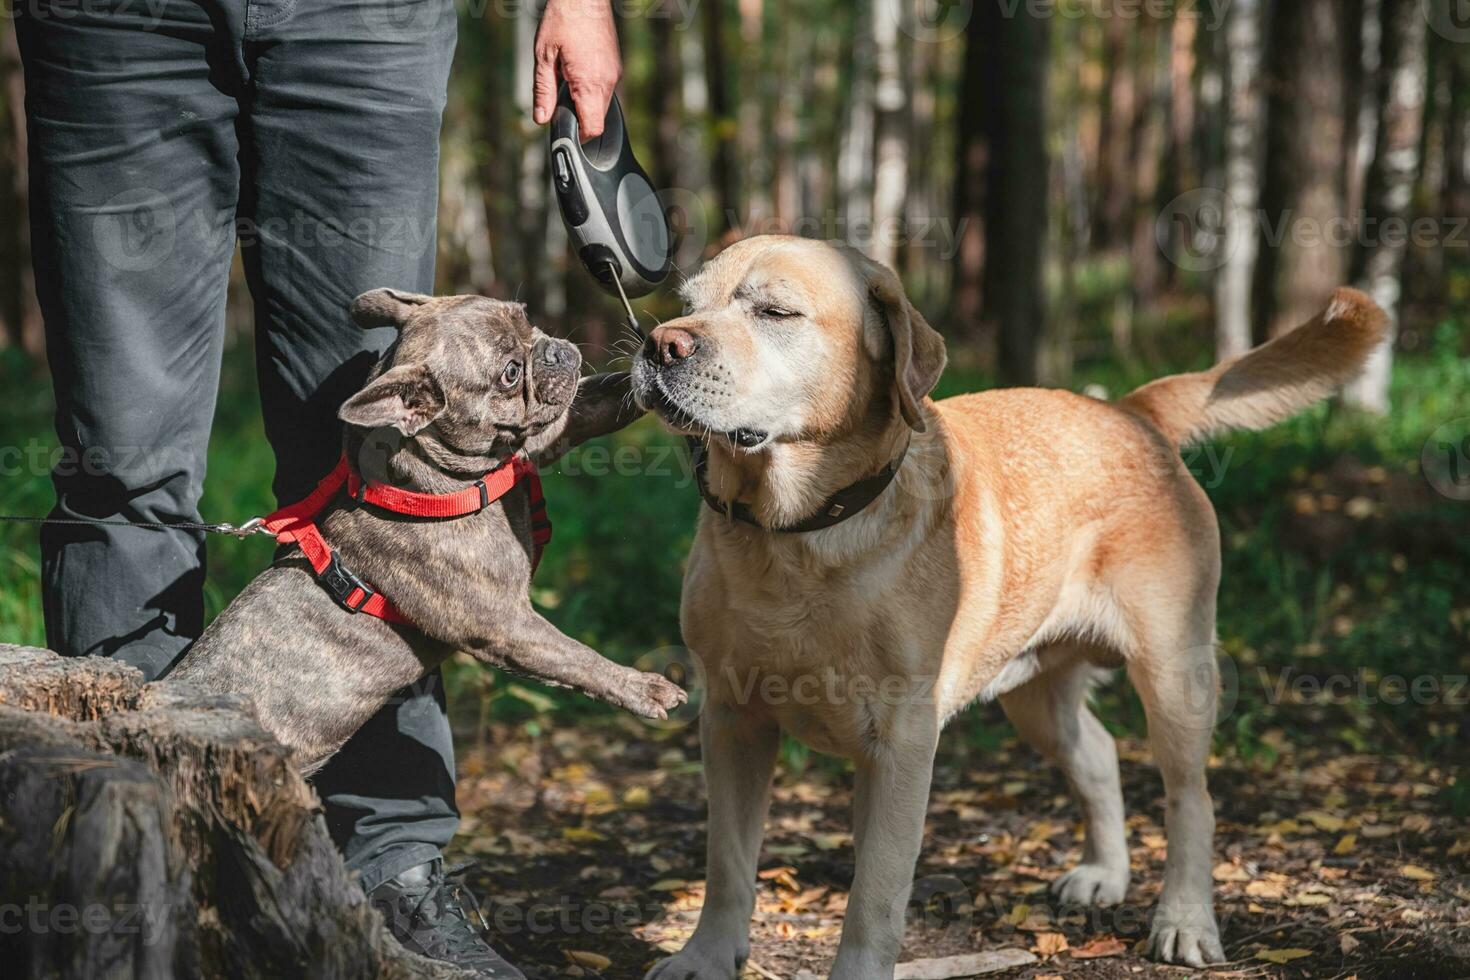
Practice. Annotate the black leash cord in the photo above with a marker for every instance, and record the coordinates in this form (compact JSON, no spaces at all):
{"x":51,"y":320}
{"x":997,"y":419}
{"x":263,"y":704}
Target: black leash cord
{"x":252,"y":526}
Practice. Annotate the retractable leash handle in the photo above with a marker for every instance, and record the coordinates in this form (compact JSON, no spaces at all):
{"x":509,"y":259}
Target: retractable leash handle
{"x":611,"y":210}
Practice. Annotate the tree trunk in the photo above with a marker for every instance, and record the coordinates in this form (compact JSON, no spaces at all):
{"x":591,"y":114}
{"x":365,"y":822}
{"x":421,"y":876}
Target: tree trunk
{"x":892,"y":110}
{"x":1114,"y":151}
{"x":20,"y":316}
{"x":667,"y":95}
{"x":153,"y":831}
{"x":539,"y":264}
{"x":1016,"y":218}
{"x":1456,"y":197}
{"x":1150,"y":147}
{"x":1303,"y":192}
{"x":1378,"y":263}
{"x":723,"y":167}
{"x":855,"y":160}
{"x":978,"y":100}
{"x":755,"y":117}
{"x":1243,"y":130}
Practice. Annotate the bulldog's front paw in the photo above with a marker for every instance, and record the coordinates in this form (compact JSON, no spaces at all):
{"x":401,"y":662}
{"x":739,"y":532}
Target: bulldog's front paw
{"x":648,"y":694}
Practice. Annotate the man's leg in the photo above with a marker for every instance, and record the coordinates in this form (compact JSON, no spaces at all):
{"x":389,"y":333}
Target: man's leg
{"x":133,"y":186}
{"x":341,"y":187}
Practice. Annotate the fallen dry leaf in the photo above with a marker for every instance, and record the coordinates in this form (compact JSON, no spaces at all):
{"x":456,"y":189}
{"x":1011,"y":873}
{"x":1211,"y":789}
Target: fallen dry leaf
{"x":1099,"y":948}
{"x":592,"y":961}
{"x":1282,"y":956}
{"x":1048,"y":943}
{"x":1231,"y":872}
{"x":1417,"y":873}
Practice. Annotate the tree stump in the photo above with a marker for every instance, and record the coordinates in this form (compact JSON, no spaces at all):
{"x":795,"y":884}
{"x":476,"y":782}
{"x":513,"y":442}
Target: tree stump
{"x":153,"y":831}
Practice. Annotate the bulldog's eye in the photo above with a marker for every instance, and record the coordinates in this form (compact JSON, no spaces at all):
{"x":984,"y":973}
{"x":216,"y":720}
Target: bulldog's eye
{"x":777,"y":313}
{"x":511,"y":376}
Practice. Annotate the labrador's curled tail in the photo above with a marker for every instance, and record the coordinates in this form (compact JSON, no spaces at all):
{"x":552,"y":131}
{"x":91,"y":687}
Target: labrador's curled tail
{"x":1271,"y":383}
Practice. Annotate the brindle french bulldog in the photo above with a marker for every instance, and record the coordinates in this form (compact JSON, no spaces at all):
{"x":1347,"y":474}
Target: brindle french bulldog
{"x":469,"y":383}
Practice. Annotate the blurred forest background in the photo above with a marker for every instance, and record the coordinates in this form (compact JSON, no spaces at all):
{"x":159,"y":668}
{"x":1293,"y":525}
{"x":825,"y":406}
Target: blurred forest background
{"x":1078,"y":193}
{"x":1082,"y":193}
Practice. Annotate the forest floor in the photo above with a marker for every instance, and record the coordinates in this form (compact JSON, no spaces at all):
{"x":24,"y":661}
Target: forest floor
{"x":590,"y":849}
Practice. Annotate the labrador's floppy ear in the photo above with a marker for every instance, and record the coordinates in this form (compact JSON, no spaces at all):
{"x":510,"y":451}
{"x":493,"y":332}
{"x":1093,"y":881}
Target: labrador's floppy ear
{"x":406,"y":397}
{"x":918,"y":349}
{"x":386,"y":307}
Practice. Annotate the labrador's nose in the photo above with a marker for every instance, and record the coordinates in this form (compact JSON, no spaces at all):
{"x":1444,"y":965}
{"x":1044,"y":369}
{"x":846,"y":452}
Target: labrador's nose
{"x":672,"y":343}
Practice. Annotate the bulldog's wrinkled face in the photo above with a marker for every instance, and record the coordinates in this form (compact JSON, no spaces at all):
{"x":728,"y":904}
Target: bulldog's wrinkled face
{"x":784,"y":340}
{"x":469,"y":379}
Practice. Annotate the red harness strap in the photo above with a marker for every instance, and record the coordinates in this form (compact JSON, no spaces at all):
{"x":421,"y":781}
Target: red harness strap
{"x":296,"y":524}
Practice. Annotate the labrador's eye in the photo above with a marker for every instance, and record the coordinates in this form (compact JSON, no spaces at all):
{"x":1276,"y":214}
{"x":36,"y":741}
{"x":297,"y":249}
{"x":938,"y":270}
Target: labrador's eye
{"x":777,"y":313}
{"x":511,"y":376}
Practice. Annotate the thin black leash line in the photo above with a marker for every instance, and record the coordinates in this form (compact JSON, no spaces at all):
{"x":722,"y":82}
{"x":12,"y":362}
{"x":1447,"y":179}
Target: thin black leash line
{"x":252,"y":526}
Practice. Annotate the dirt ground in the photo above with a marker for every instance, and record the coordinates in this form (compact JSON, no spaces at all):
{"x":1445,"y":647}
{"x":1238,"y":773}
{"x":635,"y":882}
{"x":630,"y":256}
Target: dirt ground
{"x":589,"y":845}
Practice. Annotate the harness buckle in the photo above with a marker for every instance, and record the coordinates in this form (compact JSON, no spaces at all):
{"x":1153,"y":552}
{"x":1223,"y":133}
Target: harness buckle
{"x":341,"y":583}
{"x":484,"y":493}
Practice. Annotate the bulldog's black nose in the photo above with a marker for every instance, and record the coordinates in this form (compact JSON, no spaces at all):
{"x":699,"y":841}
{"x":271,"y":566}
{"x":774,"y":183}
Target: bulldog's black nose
{"x":669,"y":344}
{"x":556,"y":355}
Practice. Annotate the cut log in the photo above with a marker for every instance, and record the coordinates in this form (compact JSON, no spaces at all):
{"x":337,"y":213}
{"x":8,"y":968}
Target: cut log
{"x":152,"y":831}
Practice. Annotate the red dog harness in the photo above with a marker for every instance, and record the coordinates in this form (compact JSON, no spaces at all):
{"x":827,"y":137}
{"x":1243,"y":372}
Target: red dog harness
{"x":296,"y":524}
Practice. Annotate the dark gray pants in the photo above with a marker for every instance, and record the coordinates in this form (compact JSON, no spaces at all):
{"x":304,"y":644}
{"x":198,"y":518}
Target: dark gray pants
{"x":161,"y":131}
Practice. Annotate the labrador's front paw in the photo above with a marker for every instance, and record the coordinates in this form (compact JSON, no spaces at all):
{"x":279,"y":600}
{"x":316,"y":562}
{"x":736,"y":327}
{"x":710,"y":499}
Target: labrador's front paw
{"x":1188,"y":936}
{"x":691,"y":963}
{"x":648,"y":694}
{"x":1092,"y":885}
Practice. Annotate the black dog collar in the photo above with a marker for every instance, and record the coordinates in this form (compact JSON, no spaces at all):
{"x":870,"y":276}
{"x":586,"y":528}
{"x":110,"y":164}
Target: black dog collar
{"x":848,"y":502}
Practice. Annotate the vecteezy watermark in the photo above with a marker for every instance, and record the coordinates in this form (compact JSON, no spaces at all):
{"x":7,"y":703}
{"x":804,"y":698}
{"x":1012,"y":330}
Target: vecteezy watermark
{"x":939,"y":234}
{"x":1448,"y":18}
{"x":135,"y":230}
{"x":40,"y":457}
{"x":1365,"y":687}
{"x":1210,"y":12}
{"x":570,"y":915}
{"x":940,"y":907}
{"x":1192,"y":230}
{"x":680,"y":666}
{"x":1445,"y":459}
{"x":930,"y":21}
{"x":139,"y":229}
{"x":38,"y":916}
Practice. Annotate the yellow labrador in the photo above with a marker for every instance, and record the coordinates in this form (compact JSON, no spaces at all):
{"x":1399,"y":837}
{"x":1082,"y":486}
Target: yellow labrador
{"x":1028,"y":538}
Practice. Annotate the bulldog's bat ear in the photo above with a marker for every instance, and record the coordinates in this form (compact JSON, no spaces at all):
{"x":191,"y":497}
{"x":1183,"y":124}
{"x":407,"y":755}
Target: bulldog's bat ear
{"x":386,"y":307}
{"x":918,"y":349}
{"x":407,"y":397}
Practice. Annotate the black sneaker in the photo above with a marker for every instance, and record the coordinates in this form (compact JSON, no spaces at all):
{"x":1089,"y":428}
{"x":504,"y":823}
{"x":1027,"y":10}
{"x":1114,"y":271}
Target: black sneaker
{"x":425,"y":910}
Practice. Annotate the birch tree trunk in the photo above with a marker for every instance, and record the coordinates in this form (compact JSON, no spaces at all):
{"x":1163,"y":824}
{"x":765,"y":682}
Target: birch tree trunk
{"x":1243,"y":130}
{"x":755,"y":99}
{"x":1378,"y":263}
{"x":855,"y":158}
{"x":891,"y":107}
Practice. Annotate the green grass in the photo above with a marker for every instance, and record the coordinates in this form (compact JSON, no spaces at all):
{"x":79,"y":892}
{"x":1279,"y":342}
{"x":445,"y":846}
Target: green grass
{"x":1392,"y":596}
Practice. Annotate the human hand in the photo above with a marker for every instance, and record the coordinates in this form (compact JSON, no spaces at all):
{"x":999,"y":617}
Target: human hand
{"x":576,"y":41}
